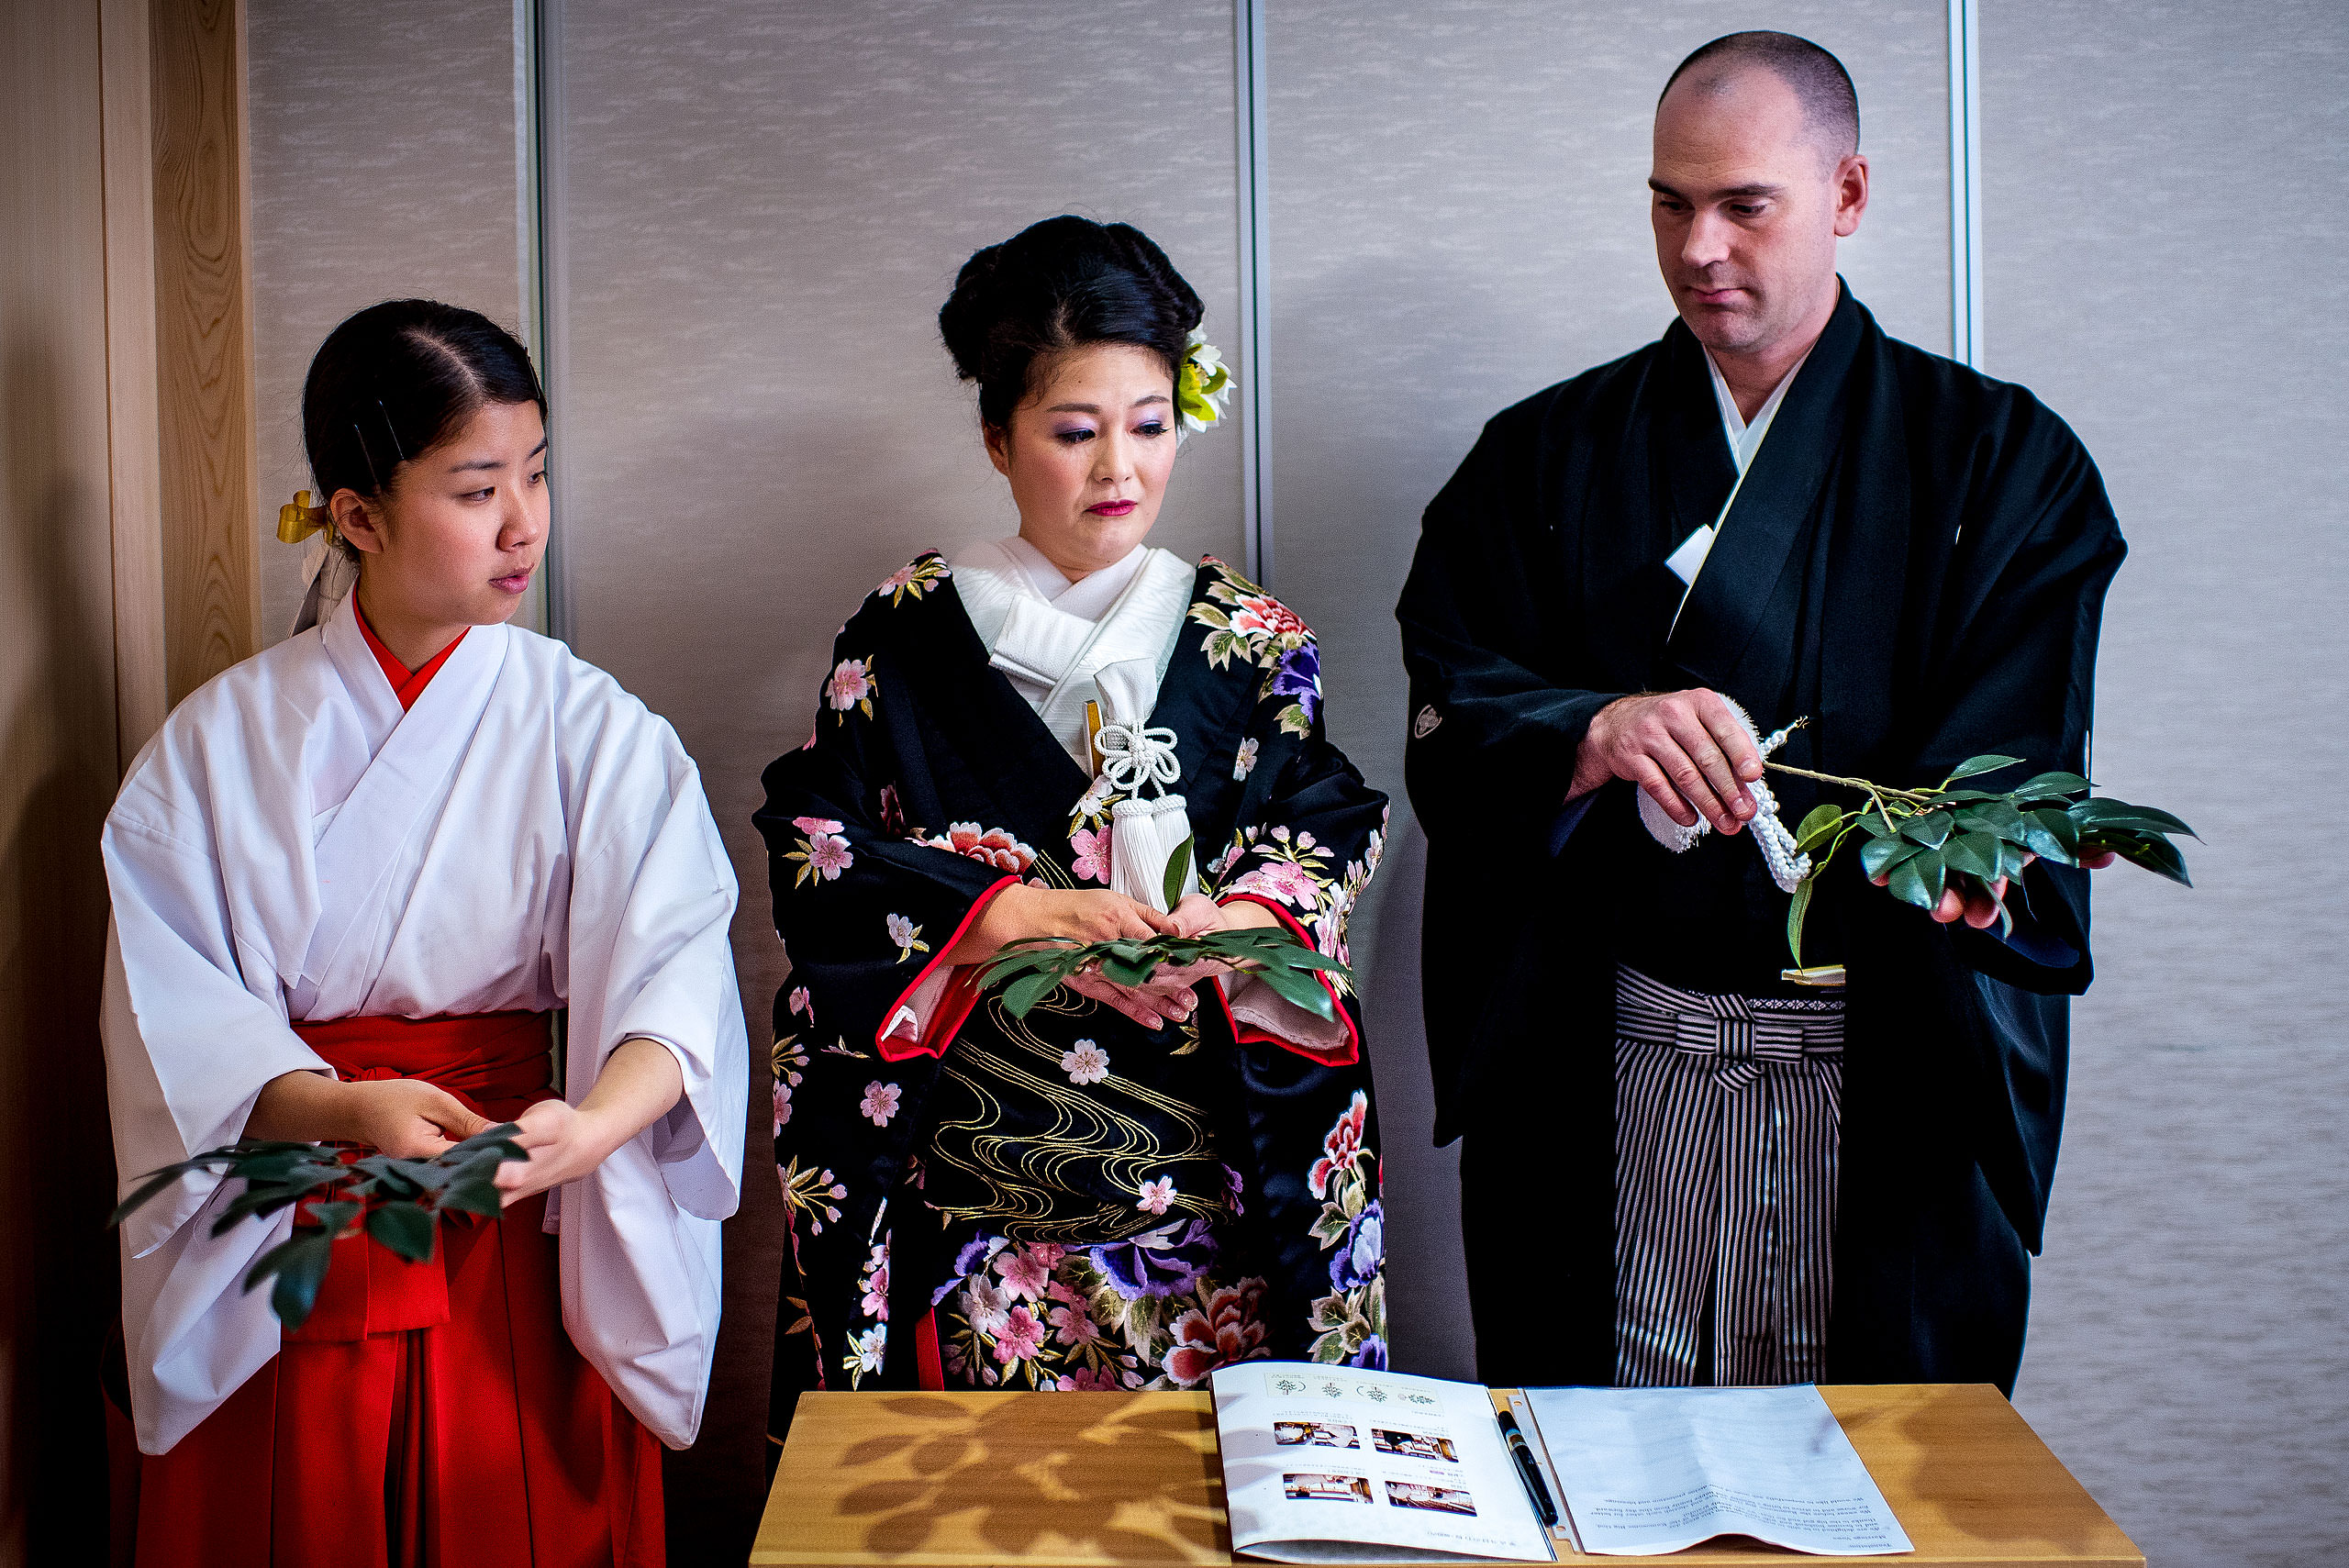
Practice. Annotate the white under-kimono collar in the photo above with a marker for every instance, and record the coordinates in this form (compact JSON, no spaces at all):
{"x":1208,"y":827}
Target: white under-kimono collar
{"x":1052,"y":637}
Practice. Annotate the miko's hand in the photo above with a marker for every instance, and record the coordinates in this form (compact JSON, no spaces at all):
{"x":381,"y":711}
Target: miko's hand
{"x":406,"y":1119}
{"x":1685,"y":748}
{"x":563,"y":1143}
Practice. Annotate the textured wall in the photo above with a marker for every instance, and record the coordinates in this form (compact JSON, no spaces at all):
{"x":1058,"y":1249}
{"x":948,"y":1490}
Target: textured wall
{"x":759,"y":209}
{"x":2164,"y":230}
{"x":1459,"y":218}
{"x":57,"y":770}
{"x":383,"y":168}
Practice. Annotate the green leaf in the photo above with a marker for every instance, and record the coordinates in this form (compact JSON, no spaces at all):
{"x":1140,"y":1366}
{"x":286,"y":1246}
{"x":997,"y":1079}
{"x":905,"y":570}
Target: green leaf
{"x":1300,"y":990}
{"x":1021,"y":996}
{"x":1878,"y":856}
{"x":1975,"y":765}
{"x":2051,"y":835}
{"x":1178,"y":872}
{"x":2011,"y":858}
{"x":1997,"y":817}
{"x":337,"y":1218}
{"x":1872,"y":823}
{"x":300,"y":1267}
{"x":1974,"y":854}
{"x":474,"y":1194}
{"x":1818,"y":827}
{"x":2049,"y":784}
{"x":1930,"y":829}
{"x":2156,"y":854}
{"x":2103,"y":811}
{"x":405,"y":1228}
{"x":1115,"y":966}
{"x":1802,"y":907}
{"x":1918,"y":880}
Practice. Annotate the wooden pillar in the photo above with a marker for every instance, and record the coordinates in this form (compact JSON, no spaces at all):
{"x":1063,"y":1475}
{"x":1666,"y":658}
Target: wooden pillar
{"x":210,"y":507}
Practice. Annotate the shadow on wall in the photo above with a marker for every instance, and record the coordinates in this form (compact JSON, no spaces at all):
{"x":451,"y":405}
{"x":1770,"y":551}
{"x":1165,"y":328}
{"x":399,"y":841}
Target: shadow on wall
{"x":1428,"y":1329}
{"x":57,"y":736}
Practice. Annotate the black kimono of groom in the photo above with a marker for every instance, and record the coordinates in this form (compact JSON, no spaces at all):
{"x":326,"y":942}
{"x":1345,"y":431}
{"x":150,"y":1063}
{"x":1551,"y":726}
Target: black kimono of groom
{"x":1916,"y":562}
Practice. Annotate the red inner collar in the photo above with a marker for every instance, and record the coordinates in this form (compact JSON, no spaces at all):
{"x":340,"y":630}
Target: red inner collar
{"x":407,"y":685}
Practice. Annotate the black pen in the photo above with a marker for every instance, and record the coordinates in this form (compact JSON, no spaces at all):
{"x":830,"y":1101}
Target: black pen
{"x":1529,"y":1471}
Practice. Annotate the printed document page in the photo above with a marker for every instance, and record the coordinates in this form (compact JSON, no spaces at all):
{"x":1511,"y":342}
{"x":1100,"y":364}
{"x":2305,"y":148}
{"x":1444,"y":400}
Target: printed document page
{"x":1656,"y":1470}
{"x":1336,"y":1465}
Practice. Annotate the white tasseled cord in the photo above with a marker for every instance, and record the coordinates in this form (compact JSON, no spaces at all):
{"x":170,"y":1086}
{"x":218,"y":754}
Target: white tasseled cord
{"x":1144,"y":834}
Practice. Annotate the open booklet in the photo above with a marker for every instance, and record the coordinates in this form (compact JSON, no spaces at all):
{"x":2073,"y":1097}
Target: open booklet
{"x":1645,"y":1470}
{"x":1336,"y":1465}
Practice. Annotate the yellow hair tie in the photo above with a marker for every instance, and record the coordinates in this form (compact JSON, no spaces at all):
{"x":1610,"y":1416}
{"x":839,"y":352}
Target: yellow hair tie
{"x":297,"y":519}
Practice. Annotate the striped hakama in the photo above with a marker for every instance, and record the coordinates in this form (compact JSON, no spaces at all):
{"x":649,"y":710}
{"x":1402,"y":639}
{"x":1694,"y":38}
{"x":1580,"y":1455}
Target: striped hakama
{"x":1727,"y":1126}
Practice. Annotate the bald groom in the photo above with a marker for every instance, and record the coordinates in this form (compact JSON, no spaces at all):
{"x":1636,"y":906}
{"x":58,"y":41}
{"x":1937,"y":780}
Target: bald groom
{"x":1681,"y":1166}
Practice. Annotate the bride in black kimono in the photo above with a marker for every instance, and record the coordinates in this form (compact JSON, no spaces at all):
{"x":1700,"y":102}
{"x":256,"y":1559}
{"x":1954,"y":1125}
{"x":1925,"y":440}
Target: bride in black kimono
{"x":1129,"y":1187}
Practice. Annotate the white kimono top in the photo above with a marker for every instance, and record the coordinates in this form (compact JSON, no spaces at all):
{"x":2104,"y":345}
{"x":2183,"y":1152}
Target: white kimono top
{"x":292,"y":846}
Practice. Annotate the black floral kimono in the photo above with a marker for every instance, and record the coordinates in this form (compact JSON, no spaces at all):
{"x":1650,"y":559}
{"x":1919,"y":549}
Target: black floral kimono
{"x":1067,"y":1200}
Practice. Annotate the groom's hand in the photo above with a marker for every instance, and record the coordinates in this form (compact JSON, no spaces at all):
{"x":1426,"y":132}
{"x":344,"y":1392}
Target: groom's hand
{"x":1685,"y":748}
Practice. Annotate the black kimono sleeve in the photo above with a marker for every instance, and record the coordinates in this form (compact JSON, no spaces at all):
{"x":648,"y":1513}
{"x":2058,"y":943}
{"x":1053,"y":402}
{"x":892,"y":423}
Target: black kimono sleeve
{"x":2028,"y":581}
{"x":1492,"y":742}
{"x":1305,"y":850}
{"x":865,"y":907}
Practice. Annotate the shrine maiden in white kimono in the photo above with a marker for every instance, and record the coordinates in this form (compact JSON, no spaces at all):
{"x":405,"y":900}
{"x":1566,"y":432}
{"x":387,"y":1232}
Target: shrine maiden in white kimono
{"x":294,"y":847}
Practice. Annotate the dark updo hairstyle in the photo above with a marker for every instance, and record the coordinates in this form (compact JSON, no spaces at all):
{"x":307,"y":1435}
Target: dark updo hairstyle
{"x":1058,"y":286}
{"x":398,"y":378}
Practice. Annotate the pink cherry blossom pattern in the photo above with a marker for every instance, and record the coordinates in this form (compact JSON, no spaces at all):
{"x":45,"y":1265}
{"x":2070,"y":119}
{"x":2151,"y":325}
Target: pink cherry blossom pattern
{"x":828,"y":855}
{"x":1086,"y":1062}
{"x":1025,"y":1275}
{"x":1073,"y":1326}
{"x":1282,"y":881}
{"x":1157,"y":1196}
{"x":880,"y":1103}
{"x":1021,"y":1336}
{"x":1092,"y":846}
{"x":850,"y":686}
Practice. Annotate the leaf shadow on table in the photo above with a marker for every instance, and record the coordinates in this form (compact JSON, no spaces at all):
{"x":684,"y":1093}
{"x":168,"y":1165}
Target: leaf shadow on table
{"x":1116,"y":1478}
{"x":1977,"y":1474}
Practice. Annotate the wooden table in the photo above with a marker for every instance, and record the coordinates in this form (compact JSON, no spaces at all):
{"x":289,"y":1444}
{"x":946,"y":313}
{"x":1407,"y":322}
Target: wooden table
{"x":1062,"y":1480}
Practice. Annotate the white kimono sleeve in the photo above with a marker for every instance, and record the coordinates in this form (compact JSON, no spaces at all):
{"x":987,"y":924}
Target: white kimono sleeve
{"x":189,"y":1047}
{"x":652,"y":896}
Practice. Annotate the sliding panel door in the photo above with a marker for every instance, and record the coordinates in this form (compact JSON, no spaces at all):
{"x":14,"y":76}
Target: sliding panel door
{"x":755,"y":211}
{"x":2163,"y":226}
{"x":385,"y":166}
{"x":1459,"y":218}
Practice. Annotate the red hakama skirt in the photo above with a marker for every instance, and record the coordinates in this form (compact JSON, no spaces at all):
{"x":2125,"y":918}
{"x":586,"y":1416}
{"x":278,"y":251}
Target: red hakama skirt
{"x":428,"y":1415}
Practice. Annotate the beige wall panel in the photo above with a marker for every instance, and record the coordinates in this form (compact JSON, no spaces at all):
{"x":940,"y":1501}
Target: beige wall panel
{"x":1459,"y":218}
{"x":758,"y":211}
{"x":2164,"y":227}
{"x":383,"y":168}
{"x":203,"y":340}
{"x":57,"y":777}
